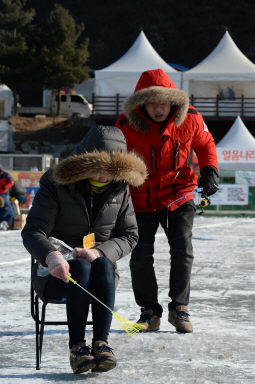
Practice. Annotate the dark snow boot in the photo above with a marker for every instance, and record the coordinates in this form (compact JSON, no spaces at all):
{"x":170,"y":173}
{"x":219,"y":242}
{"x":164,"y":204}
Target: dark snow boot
{"x":105,"y":359}
{"x":150,"y":321}
{"x":81,"y":359}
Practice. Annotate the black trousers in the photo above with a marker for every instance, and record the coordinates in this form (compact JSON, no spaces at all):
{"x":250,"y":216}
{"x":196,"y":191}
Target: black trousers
{"x":178,"y":229}
{"x":98,"y":278}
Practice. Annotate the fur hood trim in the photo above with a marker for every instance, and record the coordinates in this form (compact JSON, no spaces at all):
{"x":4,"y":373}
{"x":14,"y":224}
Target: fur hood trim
{"x":176,"y":97}
{"x":120,"y":166}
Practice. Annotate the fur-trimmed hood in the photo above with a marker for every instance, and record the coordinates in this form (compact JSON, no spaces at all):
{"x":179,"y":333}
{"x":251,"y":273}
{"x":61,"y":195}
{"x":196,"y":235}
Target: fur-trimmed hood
{"x":102,"y":152}
{"x":155,"y":86}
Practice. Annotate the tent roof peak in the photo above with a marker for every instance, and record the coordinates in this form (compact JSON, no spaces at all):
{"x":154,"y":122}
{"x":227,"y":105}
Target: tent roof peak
{"x":140,"y":56}
{"x":225,"y":58}
{"x":237,"y":137}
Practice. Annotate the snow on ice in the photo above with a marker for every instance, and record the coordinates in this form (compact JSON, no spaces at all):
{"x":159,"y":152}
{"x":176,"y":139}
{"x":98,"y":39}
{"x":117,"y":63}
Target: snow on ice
{"x":220,"y":350}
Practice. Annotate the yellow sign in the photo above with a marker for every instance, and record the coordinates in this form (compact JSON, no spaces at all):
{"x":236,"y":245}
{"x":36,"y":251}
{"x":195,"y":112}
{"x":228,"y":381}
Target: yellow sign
{"x":89,"y":241}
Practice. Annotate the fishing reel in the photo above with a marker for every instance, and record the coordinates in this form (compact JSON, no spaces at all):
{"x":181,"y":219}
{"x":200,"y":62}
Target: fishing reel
{"x":204,"y":202}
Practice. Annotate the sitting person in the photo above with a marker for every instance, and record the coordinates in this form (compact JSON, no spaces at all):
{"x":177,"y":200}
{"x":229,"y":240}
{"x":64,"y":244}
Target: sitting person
{"x":6,"y":181}
{"x":6,"y":213}
{"x":87,"y":193}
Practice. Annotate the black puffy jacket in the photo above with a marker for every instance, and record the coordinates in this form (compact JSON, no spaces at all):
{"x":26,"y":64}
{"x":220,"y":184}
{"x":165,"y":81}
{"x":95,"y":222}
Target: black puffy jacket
{"x":59,"y":208}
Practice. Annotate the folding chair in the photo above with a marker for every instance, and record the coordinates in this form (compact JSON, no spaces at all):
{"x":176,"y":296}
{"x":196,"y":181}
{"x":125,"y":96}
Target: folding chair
{"x":39,"y":318}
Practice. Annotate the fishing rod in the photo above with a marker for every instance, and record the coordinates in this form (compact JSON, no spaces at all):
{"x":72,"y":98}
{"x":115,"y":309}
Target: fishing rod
{"x":130,"y":327}
{"x":204,"y":202}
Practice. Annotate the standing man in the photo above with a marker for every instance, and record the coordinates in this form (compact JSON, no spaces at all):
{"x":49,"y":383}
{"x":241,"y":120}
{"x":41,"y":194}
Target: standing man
{"x":161,"y":126}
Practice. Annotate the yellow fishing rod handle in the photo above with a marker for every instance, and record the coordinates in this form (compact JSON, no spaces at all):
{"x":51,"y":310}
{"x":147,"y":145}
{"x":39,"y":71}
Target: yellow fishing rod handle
{"x":70,"y":279}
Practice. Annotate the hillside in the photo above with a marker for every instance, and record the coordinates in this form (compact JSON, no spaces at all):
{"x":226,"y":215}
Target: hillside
{"x":56,"y":131}
{"x":30,"y":124}
{"x":182,"y":32}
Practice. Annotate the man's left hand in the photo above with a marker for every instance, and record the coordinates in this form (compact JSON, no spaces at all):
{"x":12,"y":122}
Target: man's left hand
{"x":209,"y":180}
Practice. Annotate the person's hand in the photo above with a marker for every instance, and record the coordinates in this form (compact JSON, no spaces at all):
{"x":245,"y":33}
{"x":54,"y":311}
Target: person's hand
{"x":209,"y":180}
{"x":88,"y":254}
{"x":2,"y":202}
{"x":58,"y":266}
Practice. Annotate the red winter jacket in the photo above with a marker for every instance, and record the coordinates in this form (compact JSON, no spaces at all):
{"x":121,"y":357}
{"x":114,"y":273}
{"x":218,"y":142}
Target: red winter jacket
{"x":165,"y":146}
{"x":6,"y":181}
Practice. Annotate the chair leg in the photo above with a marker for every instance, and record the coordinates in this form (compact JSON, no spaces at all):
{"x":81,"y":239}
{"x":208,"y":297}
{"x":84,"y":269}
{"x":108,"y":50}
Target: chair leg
{"x":42,"y":328}
{"x":37,"y":334}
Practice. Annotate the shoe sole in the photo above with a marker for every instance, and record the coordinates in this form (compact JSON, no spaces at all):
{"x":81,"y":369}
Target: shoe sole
{"x":105,"y":365}
{"x":183,"y":331}
{"x":180,"y":330}
{"x":84,"y":368}
{"x":149,"y":330}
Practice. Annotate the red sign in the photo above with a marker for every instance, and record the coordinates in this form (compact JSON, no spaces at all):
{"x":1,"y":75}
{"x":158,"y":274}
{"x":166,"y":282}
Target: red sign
{"x":29,"y":179}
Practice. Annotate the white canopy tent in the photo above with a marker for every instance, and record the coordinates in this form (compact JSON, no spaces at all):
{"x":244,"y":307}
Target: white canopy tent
{"x":121,"y":76}
{"x":236,"y":150}
{"x":6,"y":101}
{"x":226,"y":71}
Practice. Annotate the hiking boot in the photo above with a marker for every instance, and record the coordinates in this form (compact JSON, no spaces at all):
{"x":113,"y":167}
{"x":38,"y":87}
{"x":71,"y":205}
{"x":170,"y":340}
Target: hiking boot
{"x":81,"y":359}
{"x":179,"y":318}
{"x":105,"y":359}
{"x":149,"y":321}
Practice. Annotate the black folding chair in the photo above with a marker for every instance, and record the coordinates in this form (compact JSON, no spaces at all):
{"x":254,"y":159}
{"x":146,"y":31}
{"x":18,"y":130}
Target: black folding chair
{"x":39,"y":318}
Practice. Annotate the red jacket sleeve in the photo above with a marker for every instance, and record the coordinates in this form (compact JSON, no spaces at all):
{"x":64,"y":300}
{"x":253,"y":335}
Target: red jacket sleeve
{"x":5,"y":184}
{"x":203,"y":143}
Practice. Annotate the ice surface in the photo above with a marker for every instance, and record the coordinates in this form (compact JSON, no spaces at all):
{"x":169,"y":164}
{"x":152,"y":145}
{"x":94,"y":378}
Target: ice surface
{"x":221,"y":349}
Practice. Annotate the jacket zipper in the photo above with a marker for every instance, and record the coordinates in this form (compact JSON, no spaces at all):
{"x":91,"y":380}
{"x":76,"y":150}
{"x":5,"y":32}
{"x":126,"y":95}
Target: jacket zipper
{"x":153,"y":158}
{"x":176,"y":155}
{"x":104,"y":201}
{"x":82,"y":201}
{"x":88,"y":217}
{"x":147,"y":199}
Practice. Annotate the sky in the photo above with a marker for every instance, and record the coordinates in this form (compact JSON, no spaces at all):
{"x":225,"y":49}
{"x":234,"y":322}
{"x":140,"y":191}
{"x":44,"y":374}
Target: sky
{"x":222,"y":307}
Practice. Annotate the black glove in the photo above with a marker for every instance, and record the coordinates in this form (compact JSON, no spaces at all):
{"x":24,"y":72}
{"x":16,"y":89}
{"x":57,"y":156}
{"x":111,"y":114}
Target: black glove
{"x":209,"y":180}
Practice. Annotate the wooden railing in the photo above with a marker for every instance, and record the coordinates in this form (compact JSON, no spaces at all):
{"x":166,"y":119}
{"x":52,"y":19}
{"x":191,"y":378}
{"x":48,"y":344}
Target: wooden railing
{"x":112,"y":106}
{"x":240,"y":106}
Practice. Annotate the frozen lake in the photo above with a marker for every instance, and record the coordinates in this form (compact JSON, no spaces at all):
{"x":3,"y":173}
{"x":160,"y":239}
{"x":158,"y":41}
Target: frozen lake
{"x":220,"y":350}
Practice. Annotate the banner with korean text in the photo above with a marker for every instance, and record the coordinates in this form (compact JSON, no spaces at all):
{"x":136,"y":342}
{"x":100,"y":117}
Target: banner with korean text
{"x":229,"y":194}
{"x":236,"y":156}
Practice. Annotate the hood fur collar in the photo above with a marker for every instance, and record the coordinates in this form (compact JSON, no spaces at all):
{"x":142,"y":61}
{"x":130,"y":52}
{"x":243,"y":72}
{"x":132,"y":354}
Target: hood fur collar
{"x":176,"y":97}
{"x":120,"y":166}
